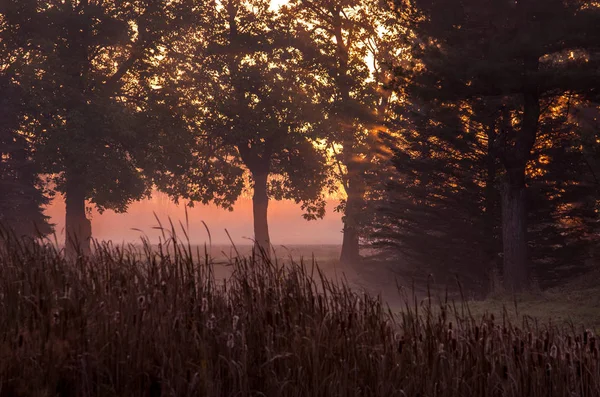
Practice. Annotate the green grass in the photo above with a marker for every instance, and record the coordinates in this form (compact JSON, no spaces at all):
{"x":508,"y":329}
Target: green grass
{"x":576,"y":303}
{"x":157,"y":322}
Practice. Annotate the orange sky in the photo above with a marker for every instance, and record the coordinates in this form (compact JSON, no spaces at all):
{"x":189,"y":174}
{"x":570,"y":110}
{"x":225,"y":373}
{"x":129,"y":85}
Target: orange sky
{"x":285,"y":222}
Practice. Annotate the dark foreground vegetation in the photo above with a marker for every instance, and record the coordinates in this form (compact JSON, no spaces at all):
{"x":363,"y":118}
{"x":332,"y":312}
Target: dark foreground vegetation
{"x":158,"y":323}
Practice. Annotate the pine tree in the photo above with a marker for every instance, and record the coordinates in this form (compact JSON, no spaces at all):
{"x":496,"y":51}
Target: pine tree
{"x":524,"y":53}
{"x":22,"y":195}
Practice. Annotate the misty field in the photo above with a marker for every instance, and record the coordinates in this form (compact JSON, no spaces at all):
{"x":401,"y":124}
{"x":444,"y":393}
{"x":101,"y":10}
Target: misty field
{"x":156,"y":322}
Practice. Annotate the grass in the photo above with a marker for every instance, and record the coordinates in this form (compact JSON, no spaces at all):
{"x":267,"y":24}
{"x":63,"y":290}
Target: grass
{"x":577,"y":303}
{"x":156,"y":322}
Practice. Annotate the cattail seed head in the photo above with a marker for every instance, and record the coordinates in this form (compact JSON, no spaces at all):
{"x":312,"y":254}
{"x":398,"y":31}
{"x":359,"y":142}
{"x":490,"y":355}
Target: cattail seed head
{"x":400,"y":344}
{"x":204,"y":306}
{"x":230,"y":341}
{"x":210,"y":324}
{"x":235,"y":322}
{"x":554,"y":351}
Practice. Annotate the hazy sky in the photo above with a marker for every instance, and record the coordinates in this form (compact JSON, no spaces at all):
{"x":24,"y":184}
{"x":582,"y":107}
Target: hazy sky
{"x":286,"y":224}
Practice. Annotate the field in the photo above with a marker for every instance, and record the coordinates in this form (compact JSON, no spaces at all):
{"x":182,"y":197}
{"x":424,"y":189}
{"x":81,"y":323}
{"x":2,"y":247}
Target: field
{"x":159,"y":322}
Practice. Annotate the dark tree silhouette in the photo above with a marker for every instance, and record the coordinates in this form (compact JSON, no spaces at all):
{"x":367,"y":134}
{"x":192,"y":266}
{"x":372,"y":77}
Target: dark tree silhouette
{"x":525,"y":52}
{"x":255,"y":109}
{"x":99,"y":118}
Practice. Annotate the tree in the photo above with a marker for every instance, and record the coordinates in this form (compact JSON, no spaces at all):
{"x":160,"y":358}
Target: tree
{"x":351,"y":46}
{"x":99,"y":115}
{"x":23,"y":195}
{"x":255,"y":110}
{"x":523,"y":52}
{"x":441,"y":211}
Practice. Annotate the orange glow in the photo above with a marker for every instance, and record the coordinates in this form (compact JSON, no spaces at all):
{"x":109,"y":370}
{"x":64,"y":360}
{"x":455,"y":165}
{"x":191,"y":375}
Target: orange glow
{"x":286,"y":224}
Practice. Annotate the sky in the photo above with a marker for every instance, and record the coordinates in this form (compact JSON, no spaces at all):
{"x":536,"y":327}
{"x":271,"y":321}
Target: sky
{"x":286,"y":224}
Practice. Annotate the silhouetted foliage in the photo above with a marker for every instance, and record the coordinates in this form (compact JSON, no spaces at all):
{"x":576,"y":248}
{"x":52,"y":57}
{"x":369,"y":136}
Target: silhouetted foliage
{"x":523,"y":54}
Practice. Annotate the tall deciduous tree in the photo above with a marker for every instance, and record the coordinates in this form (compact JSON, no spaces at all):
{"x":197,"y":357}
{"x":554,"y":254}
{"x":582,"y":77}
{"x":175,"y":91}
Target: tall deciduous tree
{"x":525,"y":52}
{"x":351,"y":45}
{"x":91,"y":65}
{"x":255,"y":109}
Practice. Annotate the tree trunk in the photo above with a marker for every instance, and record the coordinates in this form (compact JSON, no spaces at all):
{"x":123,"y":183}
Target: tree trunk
{"x":260,"y":204}
{"x":492,"y":214}
{"x":350,"y":243}
{"x":514,"y":236}
{"x":78,"y":229}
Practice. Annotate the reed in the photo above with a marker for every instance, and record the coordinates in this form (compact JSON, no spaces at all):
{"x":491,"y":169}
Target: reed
{"x":155,"y":321}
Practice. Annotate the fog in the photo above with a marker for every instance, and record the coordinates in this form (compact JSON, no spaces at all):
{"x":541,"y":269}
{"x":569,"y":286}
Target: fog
{"x":286,"y":224}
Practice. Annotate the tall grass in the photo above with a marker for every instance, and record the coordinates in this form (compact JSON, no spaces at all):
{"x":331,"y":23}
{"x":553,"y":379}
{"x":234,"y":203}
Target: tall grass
{"x":156,"y":322}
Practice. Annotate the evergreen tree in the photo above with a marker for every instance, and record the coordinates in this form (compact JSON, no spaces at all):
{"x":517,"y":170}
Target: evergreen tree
{"x":524,"y":53}
{"x":22,"y":197}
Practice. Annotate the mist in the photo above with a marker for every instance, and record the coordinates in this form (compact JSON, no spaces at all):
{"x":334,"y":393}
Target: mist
{"x":285,"y":222}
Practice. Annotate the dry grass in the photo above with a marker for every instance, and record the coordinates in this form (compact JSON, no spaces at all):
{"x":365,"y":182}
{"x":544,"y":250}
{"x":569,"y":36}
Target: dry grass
{"x":157,"y":323}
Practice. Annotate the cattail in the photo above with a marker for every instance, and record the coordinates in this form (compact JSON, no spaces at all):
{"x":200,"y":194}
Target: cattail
{"x":210,"y":324}
{"x":592,"y":343}
{"x":204,"y":306}
{"x":505,"y":372}
{"x":441,"y":348}
{"x":235,"y":322}
{"x":230,"y":341}
{"x":548,"y":369}
{"x":400,"y":344}
{"x":554,"y":351}
{"x":522,"y":346}
{"x":585,"y":337}
{"x":476,"y":333}
{"x":450,"y":325}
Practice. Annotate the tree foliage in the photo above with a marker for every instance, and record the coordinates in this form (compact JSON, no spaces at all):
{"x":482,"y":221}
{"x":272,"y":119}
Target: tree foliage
{"x":523,"y":56}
